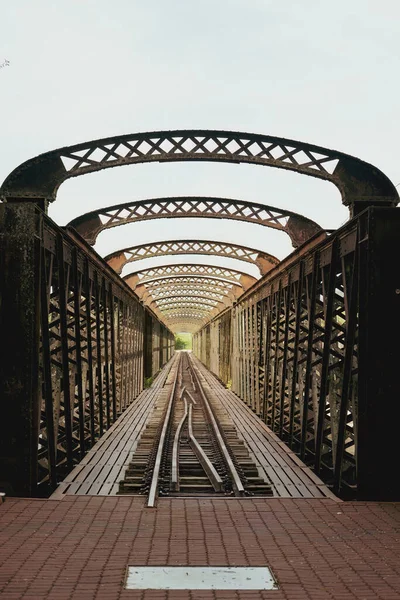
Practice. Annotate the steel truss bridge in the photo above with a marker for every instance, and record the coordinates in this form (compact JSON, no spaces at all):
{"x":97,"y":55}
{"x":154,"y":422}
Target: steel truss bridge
{"x":310,"y":343}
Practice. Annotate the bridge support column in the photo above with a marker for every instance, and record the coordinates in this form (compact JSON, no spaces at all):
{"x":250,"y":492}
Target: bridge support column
{"x":379,"y":356}
{"x":19,"y":346}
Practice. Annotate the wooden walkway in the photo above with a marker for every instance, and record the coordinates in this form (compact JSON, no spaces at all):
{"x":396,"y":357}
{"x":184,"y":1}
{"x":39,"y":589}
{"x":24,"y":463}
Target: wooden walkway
{"x":290,"y":477}
{"x":104,"y":466}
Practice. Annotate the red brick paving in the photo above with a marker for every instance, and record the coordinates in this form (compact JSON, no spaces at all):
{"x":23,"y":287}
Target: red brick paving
{"x":79,"y":548}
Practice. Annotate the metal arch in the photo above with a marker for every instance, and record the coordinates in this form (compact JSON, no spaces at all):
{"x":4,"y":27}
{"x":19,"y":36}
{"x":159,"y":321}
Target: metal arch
{"x":231,"y":289}
{"x":194,"y":295}
{"x":213,"y":291}
{"x":186,"y":300}
{"x":190,"y":304}
{"x":194,"y":320}
{"x":180,"y":313}
{"x":201,"y":310}
{"x":188,"y":326}
{"x":359,"y":182}
{"x":191,"y":292}
{"x":299,"y":228}
{"x":185,"y":284}
{"x":187,"y":269}
{"x":264,"y":261}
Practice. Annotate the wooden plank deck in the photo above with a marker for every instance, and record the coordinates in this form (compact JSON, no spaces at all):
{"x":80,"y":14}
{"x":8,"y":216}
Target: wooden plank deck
{"x":289,"y":476}
{"x":99,"y":472}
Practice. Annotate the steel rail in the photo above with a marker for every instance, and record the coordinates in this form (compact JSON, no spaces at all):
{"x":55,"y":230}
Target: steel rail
{"x":191,"y":397}
{"x":156,"y":472}
{"x":191,"y":377}
{"x":205,"y":462}
{"x":237,"y":482}
{"x":175,"y":451}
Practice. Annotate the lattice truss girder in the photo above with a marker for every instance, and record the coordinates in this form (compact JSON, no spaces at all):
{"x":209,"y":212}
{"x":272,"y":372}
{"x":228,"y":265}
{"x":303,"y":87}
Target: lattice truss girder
{"x":229,"y":275}
{"x":180,"y":313}
{"x":187,"y":292}
{"x":307,"y":368}
{"x":88,"y":356}
{"x":196,"y":306}
{"x":186,"y":301}
{"x":40,"y":177}
{"x":230,"y":289}
{"x":262,"y":260}
{"x":298,"y":228}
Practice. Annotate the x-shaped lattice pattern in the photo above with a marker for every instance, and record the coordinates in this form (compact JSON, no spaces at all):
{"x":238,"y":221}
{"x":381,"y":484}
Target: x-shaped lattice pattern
{"x":228,"y":274}
{"x":183,"y":292}
{"x":184,"y":314}
{"x":190,"y":207}
{"x":192,"y":302}
{"x":41,"y":176}
{"x":191,"y":281}
{"x":211,"y":145}
{"x":91,"y":224}
{"x":191,"y":247}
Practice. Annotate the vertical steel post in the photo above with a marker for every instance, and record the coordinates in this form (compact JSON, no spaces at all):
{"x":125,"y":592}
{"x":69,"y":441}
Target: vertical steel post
{"x":20,"y":241}
{"x":379,"y":355}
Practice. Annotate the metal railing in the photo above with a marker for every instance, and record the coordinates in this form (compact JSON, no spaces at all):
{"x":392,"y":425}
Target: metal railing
{"x":308,"y":355}
{"x":90,"y":347}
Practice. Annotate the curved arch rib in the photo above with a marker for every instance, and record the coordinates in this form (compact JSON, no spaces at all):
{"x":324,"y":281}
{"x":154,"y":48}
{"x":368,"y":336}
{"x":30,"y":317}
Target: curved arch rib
{"x":299,"y":228}
{"x":206,"y":294}
{"x":231,"y":289}
{"x":200,"y":310}
{"x":203,"y":291}
{"x":200,"y":306}
{"x":187,"y":325}
{"x":264,"y":261}
{"x":230,"y":275}
{"x":359,"y":182}
{"x":193,"y":297}
{"x":180,"y":313}
{"x":188,"y":300}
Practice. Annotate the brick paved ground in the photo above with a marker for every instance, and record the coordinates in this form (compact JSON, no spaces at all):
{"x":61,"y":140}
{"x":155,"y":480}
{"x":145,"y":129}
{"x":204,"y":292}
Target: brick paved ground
{"x":78,"y":548}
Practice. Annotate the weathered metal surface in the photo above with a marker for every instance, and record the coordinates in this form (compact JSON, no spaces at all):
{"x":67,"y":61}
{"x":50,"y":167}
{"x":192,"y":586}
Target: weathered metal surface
{"x":311,"y":347}
{"x":299,"y":228}
{"x":188,"y":270}
{"x":117,"y":260}
{"x":359,"y":183}
{"x":168,"y":285}
{"x":77,"y":363}
{"x":310,"y":354}
{"x":19,"y":347}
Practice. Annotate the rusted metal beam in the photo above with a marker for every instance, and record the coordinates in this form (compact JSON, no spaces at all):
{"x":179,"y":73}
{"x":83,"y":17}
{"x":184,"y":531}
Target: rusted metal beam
{"x":360,"y":184}
{"x":264,"y":261}
{"x":298,"y":227}
{"x":189,"y":270}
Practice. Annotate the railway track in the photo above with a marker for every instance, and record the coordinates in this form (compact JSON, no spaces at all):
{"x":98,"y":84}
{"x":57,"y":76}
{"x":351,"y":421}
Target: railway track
{"x":190,"y":446}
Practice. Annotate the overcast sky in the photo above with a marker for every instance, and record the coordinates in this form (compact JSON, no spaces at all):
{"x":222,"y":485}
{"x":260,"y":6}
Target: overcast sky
{"x":320,"y":72}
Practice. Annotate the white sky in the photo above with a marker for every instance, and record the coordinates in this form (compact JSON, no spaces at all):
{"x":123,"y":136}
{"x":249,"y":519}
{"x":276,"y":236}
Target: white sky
{"x":325,"y":73}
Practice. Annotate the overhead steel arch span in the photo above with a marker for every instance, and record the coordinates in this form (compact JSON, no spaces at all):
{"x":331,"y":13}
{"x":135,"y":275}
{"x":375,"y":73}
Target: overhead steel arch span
{"x":185,"y":313}
{"x":201,"y":290}
{"x":359,"y":183}
{"x":188,"y":293}
{"x":231,"y":289}
{"x":188,"y":326}
{"x":193,"y":303}
{"x":229,"y":275}
{"x":198,"y":309}
{"x":193,"y":297}
{"x":186,"y":299}
{"x":299,"y":228}
{"x":264,"y":261}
